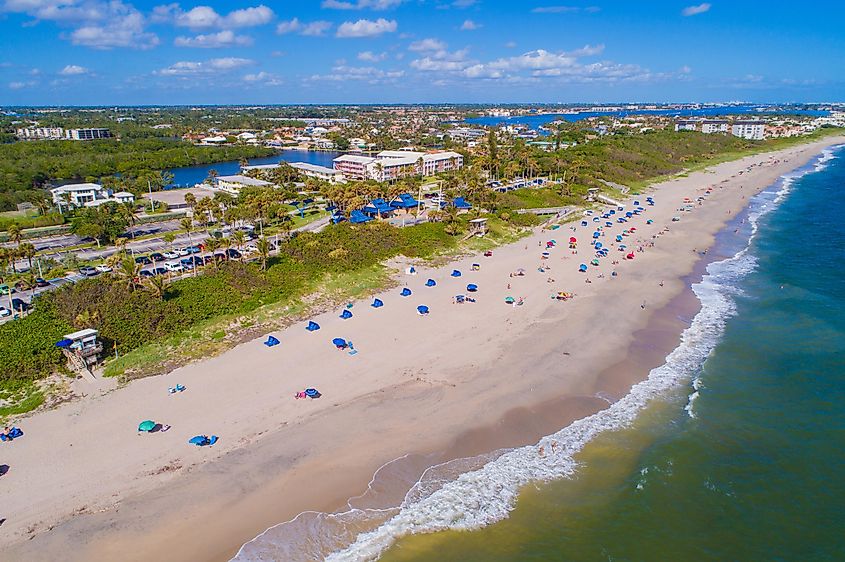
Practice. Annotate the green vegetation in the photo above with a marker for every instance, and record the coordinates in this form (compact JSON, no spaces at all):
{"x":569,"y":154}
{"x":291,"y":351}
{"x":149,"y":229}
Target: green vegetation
{"x":26,"y":167}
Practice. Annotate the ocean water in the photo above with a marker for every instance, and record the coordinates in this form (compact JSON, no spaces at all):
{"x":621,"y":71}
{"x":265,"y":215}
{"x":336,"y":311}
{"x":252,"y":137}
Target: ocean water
{"x":189,"y":176}
{"x":734,"y":449}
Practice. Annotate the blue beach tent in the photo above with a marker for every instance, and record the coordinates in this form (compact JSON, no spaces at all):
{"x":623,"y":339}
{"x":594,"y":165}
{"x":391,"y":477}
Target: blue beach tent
{"x":357,"y":217}
{"x":271,"y":341}
{"x":312,"y":326}
{"x":406,"y":292}
{"x":583,"y":223}
{"x":346,"y":314}
{"x":377,"y":207}
{"x":471,"y":288}
{"x":430,"y":283}
{"x":461,"y":204}
{"x":203,"y":440}
{"x":422,"y":309}
{"x":339,"y":342}
{"x":582,"y":268}
{"x":312,"y":393}
{"x":377,"y":303}
{"x":404,"y":201}
{"x":456,"y":273}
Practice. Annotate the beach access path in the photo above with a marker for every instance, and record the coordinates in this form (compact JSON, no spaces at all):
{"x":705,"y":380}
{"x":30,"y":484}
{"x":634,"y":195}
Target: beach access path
{"x":83,"y":484}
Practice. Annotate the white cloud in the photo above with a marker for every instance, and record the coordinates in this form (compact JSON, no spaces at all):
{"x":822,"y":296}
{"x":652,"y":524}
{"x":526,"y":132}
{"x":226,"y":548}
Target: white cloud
{"x":429,"y":44}
{"x":73,"y":70}
{"x":224,"y":38}
{"x":203,"y":17}
{"x":312,"y":29}
{"x":189,"y":68}
{"x":695,"y":10}
{"x":370,"y":56}
{"x":366,"y":28}
{"x":469,"y":25}
{"x":510,"y":44}
{"x":264,"y":78}
{"x":21,"y":85}
{"x":360,"y":4}
{"x":122,"y":31}
{"x":370,"y":74}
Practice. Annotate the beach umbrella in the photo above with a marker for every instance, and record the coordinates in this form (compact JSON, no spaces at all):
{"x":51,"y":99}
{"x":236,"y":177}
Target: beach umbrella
{"x":312,"y":326}
{"x":596,"y":234}
{"x":456,"y":273}
{"x":636,"y":203}
{"x":472,"y":288}
{"x":346,"y":314}
{"x":271,"y":341}
{"x":146,"y":425}
{"x":201,"y":440}
{"x":583,"y":223}
{"x":594,"y":261}
{"x":582,"y":268}
{"x":596,"y":219}
{"x":377,"y":303}
{"x":629,"y":215}
{"x":619,"y":238}
{"x":339,"y":342}
{"x":572,"y":240}
{"x":608,"y":224}
{"x":430,"y":283}
{"x":509,"y":300}
{"x":611,"y":212}
{"x":649,"y":221}
{"x":630,"y":256}
{"x":632,"y":229}
{"x":312,"y":393}
{"x":546,"y":254}
{"x":598,"y":245}
{"x":422,"y":309}
{"x":406,"y":292}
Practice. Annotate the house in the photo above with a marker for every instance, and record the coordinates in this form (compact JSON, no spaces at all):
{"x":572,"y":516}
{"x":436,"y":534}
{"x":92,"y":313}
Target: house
{"x":77,"y":194}
{"x":234,"y":184}
{"x":318,"y":172}
{"x":353,"y":166}
{"x":219,"y":139}
{"x":749,"y":130}
{"x":714,"y":126}
{"x":119,"y":197}
{"x":686,"y":126}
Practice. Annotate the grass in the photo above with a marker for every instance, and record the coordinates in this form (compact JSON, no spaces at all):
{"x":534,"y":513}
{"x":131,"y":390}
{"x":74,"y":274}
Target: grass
{"x":19,"y":398}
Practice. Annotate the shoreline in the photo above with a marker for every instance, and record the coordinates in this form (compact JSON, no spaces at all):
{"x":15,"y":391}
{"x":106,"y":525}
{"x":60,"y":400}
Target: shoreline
{"x":399,"y":410}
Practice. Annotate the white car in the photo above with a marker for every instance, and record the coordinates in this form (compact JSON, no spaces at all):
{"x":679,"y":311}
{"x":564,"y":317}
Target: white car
{"x":250,"y":249}
{"x":4,"y":312}
{"x":174,"y":267}
{"x":171,"y":255}
{"x":183,"y":252}
{"x":103,"y":268}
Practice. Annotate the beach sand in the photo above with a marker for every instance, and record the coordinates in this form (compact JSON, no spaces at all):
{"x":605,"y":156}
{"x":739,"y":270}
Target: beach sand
{"x":460,"y":381}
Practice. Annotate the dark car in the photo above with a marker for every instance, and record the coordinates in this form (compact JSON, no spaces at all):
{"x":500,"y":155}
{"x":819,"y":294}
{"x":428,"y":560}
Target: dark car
{"x":220,"y":256}
{"x":159,"y":271}
{"x":41,"y":282}
{"x":207,"y":259}
{"x":157,"y":256}
{"x":146,"y":274}
{"x":233,"y":254}
{"x":19,"y":305}
{"x":144,"y":260}
{"x":88,"y":271}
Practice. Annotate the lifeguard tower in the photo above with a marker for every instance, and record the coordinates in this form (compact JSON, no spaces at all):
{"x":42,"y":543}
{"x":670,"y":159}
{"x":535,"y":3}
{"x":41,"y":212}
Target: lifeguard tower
{"x":81,"y":349}
{"x":478,"y":227}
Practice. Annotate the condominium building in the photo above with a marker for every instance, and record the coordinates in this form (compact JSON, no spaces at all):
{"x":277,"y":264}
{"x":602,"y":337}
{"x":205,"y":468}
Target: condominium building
{"x":233,"y":184}
{"x":686,"y":125}
{"x":87,"y":134}
{"x":715,"y":126}
{"x":390,"y":165}
{"x":749,"y":130}
{"x":318,"y":172}
{"x":40,"y":133}
{"x":353,"y":166}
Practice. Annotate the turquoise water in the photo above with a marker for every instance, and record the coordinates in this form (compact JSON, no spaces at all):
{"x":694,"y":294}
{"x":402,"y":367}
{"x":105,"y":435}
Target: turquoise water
{"x":747,"y":461}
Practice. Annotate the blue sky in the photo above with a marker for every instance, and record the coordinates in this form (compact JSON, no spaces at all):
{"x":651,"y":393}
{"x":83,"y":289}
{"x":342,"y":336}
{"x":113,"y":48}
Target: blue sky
{"x":124,"y":52}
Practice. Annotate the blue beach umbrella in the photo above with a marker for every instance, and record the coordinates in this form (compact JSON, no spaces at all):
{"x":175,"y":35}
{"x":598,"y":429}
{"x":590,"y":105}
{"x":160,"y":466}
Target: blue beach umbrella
{"x":430,"y":283}
{"x":472,"y":287}
{"x":377,"y":303}
{"x":312,"y":393}
{"x":422,"y":309}
{"x":271,"y":341}
{"x":582,"y":268}
{"x":346,"y":314}
{"x":456,"y":273}
{"x":312,"y":326}
{"x":339,"y":342}
{"x":406,"y":292}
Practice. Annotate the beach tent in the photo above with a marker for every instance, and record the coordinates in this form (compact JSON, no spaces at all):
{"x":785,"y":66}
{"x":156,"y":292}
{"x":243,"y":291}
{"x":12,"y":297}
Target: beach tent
{"x":377,"y":303}
{"x":476,"y":267}
{"x":608,"y":224}
{"x":312,"y":326}
{"x":346,"y":314}
{"x":460,"y":299}
{"x":203,"y":440}
{"x":271,"y":341}
{"x":339,"y":343}
{"x":461,"y":204}
{"x":471,"y":288}
{"x":65,"y":343}
{"x":456,"y":273}
{"x":629,"y":215}
{"x":619,"y":238}
{"x":357,"y":217}
{"x":582,"y":268}
{"x":422,"y":309}
{"x":572,"y":240}
{"x":649,"y":221}
{"x":377,"y":207}
{"x":636,"y":203}
{"x":411,"y":270}
{"x":594,"y":261}
{"x":146,"y":425}
{"x":583,"y":223}
{"x":430,"y":283}
{"x":630,"y":256}
{"x":404,"y":201}
{"x":509,"y":300}
{"x":312,"y":393}
{"x":13,"y":433}
{"x":406,"y":292}
{"x":632,"y":229}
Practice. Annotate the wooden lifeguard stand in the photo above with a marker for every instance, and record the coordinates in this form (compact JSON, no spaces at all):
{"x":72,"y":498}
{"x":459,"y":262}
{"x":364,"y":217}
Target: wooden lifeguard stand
{"x":82,"y":349}
{"x":478,"y":227}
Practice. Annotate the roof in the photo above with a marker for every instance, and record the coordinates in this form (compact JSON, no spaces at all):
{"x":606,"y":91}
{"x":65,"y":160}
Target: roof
{"x":750,"y":123}
{"x":78,"y":187}
{"x":123,"y":194}
{"x":81,"y":334}
{"x":354,"y":158}
{"x":261,"y":167}
{"x":444,"y":155}
{"x":314,"y":168}
{"x":243,"y":180}
{"x":400,"y":154}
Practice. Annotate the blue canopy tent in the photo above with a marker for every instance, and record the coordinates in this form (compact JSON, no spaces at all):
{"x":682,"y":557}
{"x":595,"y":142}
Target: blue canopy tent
{"x":406,"y":292}
{"x":611,"y":212}
{"x":582,"y":268}
{"x":596,"y":219}
{"x":430,"y":283}
{"x":357,"y":217}
{"x":346,"y":314}
{"x":629,"y":214}
{"x":312,"y":326}
{"x":339,"y":343}
{"x":456,"y":273}
{"x":471,"y":288}
{"x":378,"y":207}
{"x":336,"y":218}
{"x":65,"y":343}
{"x":461,"y":204}
{"x":271,"y":341}
{"x":404,"y":201}
{"x":636,"y":203}
{"x":596,"y":234}
{"x":422,"y":309}
{"x":377,"y":303}
{"x":608,"y":224}
{"x":203,"y":440}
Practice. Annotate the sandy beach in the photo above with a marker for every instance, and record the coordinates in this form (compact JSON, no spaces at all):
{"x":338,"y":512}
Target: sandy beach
{"x":462,"y":380}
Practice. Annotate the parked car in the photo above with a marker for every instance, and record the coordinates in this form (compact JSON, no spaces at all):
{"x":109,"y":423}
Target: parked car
{"x":171,"y":255}
{"x":220,"y":256}
{"x":88,"y":271}
{"x":250,"y":249}
{"x":233,"y":254}
{"x":174,"y":267}
{"x":193,"y":249}
{"x":146,"y":274}
{"x":4,"y":312}
{"x":4,"y":289}
{"x":157,"y":256}
{"x":207,"y":259}
{"x":103,"y":268}
{"x":42,"y":282}
{"x":143,"y":260}
{"x":159,"y":270}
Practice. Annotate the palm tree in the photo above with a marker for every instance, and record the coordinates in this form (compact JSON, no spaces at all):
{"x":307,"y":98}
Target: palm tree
{"x":263,"y":251}
{"x":191,"y":201}
{"x":66,"y":197}
{"x":157,"y":285}
{"x":28,"y":251}
{"x":239,"y":238}
{"x":169,"y":237}
{"x":15,"y":233}
{"x":212,"y":175}
{"x":130,"y":271}
{"x":212,"y":245}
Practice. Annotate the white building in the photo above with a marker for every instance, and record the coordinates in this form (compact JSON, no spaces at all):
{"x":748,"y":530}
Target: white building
{"x":318,"y":172}
{"x":87,"y":195}
{"x":119,"y":197}
{"x":40,"y":133}
{"x":234,"y":184}
{"x":87,"y":134}
{"x":709,"y":127}
{"x":353,"y":166}
{"x":220,"y":139}
{"x":390,"y":165}
{"x":686,"y":126}
{"x":749,"y":130}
